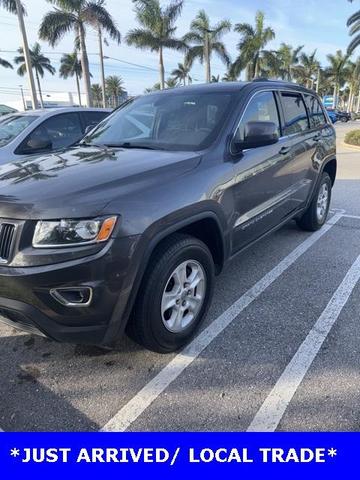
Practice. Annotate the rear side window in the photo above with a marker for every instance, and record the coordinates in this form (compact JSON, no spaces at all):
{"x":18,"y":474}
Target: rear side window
{"x":262,"y":107}
{"x":316,"y":114}
{"x":294,"y":112}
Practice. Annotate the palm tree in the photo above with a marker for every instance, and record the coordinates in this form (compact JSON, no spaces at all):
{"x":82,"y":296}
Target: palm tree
{"x":307,"y":69}
{"x":229,"y":76}
{"x":182,"y":73}
{"x":206,"y":40}
{"x":96,"y":91}
{"x":354,"y":23}
{"x":75,"y":15}
{"x":113,"y":32}
{"x":5,"y":63}
{"x":252,"y":46}
{"x":288,"y":58}
{"x":171,"y":82}
{"x":70,"y":66}
{"x":215,"y":79}
{"x":353,"y":80}
{"x":17,"y":8}
{"x":157,"y":29}
{"x":114,"y":88}
{"x":337,"y":71}
{"x":39,"y":63}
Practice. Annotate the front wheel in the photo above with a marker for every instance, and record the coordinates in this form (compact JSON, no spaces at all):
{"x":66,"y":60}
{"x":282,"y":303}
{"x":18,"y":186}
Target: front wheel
{"x":317,"y":212}
{"x":175,"y":294}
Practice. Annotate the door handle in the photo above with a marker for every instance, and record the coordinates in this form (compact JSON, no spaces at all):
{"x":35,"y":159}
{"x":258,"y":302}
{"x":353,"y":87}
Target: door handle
{"x":317,"y":137}
{"x":284,"y":150}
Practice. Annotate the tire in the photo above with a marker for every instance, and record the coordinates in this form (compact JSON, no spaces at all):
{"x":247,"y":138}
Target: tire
{"x":151,"y":325}
{"x":344,"y":119}
{"x":311,"y":219}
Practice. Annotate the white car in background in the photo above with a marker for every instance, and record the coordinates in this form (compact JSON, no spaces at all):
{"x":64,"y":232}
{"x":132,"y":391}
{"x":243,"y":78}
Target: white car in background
{"x":41,"y":131}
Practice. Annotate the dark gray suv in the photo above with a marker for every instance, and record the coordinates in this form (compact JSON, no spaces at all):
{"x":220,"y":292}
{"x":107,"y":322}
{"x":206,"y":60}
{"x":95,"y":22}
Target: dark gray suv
{"x":128,"y":229}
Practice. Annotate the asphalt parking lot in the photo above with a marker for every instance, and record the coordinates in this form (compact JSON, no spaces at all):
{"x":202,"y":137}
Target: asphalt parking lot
{"x":279,"y":348}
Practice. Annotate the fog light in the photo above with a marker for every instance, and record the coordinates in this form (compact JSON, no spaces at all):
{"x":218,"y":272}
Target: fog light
{"x":73,"y":296}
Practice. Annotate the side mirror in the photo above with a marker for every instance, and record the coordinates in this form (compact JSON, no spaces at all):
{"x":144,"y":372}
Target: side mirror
{"x":258,"y":134}
{"x":38,"y":144}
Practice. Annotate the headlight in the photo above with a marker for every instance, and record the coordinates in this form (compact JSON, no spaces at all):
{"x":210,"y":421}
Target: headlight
{"x":64,"y":233}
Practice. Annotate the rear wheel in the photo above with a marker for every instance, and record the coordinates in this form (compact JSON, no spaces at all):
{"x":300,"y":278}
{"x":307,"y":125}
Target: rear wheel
{"x":316,"y":215}
{"x":175,"y":294}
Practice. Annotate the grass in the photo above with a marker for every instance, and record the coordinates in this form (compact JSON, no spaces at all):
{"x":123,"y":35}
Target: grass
{"x":353,"y":137}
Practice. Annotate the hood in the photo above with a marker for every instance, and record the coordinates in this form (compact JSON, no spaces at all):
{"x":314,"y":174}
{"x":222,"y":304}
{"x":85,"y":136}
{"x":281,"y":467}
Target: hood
{"x":81,"y":181}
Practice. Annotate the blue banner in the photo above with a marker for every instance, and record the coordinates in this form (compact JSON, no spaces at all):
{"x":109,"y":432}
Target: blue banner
{"x":159,"y":455}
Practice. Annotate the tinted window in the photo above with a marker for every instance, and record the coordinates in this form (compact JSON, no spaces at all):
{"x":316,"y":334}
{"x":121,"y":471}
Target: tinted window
{"x":317,"y":117}
{"x":61,"y":131}
{"x":170,"y":121}
{"x":93,"y":118}
{"x":11,"y":127}
{"x":262,"y":108}
{"x":295,"y":113}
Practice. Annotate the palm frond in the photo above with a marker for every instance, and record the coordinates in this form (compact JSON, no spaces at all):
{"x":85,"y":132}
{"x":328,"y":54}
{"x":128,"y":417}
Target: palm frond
{"x":55,"y":25}
{"x":96,"y":13}
{"x":142,"y":38}
{"x":4,"y":63}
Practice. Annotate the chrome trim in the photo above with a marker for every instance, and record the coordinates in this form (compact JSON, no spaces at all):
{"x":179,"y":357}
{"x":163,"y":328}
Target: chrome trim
{"x":272,"y":202}
{"x":58,"y":297}
{"x":279,"y":90}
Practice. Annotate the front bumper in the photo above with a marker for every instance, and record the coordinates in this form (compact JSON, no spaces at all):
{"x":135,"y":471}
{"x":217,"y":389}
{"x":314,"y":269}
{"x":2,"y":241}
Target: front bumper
{"x":26,"y":301}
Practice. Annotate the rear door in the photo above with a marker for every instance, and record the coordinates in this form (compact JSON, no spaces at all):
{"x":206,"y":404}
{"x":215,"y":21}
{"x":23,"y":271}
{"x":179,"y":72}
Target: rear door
{"x":322,"y":135}
{"x":298,"y":172}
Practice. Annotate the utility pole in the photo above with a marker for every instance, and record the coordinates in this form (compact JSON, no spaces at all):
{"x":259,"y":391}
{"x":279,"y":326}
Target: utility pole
{"x":102,"y":69}
{"x":22,"y":96}
{"x":26,"y":54}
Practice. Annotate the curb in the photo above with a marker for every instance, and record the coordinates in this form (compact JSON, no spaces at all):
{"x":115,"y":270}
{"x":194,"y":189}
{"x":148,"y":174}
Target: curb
{"x":353,"y":147}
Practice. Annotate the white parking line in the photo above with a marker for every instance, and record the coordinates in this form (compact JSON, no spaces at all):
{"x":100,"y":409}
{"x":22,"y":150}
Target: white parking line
{"x":139,"y":403}
{"x":272,"y":410}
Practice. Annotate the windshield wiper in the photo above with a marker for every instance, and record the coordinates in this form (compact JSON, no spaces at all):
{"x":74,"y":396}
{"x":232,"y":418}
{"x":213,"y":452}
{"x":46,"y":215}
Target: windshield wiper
{"x":96,"y":145}
{"x":133,"y":145}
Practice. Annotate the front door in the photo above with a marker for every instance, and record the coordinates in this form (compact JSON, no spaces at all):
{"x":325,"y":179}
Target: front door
{"x":260,"y":190}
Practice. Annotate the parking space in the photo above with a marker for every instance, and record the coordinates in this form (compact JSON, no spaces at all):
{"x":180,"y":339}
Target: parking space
{"x":266,"y":303}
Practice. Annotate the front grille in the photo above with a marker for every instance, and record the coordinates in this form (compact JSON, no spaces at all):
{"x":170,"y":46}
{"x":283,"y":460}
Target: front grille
{"x":7,"y":231}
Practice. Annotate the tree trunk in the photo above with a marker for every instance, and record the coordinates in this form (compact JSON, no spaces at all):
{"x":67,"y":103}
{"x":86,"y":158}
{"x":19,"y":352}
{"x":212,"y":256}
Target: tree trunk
{"x":334,"y":94}
{"x":39,"y":88}
{"x":348,"y":109}
{"x":85,"y":67}
{"x":207,"y":59}
{"x":256,"y":67}
{"x":358,"y":102}
{"x":318,"y":80}
{"x":102,"y":69}
{"x":161,"y":69}
{"x":26,"y":54}
{"x":78,"y":88}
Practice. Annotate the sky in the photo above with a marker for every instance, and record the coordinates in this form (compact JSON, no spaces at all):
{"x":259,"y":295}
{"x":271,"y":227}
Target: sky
{"x":319,"y":24}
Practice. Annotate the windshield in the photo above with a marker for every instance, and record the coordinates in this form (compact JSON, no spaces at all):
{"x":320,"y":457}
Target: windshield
{"x":166,"y":122}
{"x":11,"y":127}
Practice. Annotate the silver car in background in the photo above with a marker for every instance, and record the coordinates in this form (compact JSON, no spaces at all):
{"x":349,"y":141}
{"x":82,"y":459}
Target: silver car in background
{"x":41,"y":131}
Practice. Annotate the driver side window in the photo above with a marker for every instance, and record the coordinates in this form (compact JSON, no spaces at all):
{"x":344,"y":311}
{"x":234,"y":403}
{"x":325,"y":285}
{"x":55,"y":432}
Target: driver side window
{"x":57,"y":132}
{"x":262,"y":107}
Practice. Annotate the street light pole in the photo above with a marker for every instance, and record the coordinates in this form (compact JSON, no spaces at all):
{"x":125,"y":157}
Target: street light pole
{"x":22,"y":96}
{"x":26,"y":54}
